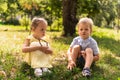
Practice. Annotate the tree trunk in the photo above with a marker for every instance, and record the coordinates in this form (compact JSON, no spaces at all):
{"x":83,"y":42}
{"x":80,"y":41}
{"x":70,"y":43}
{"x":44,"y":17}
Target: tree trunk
{"x":69,"y":17}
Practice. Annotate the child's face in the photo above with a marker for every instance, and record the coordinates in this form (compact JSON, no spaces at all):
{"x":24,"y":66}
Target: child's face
{"x":40,"y":30}
{"x":84,"y":30}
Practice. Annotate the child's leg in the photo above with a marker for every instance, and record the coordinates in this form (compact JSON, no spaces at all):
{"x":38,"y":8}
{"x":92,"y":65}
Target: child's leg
{"x":88,"y":61}
{"x":88,"y":58}
{"x":74,"y":54}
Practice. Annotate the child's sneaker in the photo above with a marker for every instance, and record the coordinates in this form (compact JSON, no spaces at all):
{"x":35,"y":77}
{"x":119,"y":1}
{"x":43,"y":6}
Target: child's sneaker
{"x":86,"y":72}
{"x":38,"y":72}
{"x":46,"y":70}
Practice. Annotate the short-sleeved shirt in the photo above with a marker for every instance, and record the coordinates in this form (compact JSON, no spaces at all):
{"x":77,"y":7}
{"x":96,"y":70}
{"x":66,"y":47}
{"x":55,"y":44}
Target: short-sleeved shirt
{"x":87,"y":43}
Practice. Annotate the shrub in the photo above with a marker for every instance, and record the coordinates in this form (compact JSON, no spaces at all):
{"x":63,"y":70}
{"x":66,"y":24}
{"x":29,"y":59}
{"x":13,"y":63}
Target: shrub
{"x":25,"y":21}
{"x":13,"y":21}
{"x":57,"y":24}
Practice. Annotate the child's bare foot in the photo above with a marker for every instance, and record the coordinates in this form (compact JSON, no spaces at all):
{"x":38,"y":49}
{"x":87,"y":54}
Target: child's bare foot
{"x":71,"y":65}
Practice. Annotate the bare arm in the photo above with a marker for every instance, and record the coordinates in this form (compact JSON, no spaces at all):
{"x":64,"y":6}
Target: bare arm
{"x":69,"y":55}
{"x":71,"y":62}
{"x":47,"y":51}
{"x":27,"y":48}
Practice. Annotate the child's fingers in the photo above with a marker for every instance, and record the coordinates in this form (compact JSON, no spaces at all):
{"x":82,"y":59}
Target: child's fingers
{"x":82,"y":52}
{"x":71,"y":66}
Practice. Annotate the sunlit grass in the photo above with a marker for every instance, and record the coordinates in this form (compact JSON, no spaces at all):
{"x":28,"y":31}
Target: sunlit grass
{"x":107,"y":68}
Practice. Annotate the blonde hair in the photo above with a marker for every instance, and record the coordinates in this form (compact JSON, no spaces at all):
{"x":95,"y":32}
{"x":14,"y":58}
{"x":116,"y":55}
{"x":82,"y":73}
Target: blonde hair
{"x":86,"y":21}
{"x":36,"y":21}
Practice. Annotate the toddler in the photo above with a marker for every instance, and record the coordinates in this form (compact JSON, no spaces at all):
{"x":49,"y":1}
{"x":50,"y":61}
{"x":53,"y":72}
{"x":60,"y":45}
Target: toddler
{"x":36,"y":49}
{"x":83,"y":50}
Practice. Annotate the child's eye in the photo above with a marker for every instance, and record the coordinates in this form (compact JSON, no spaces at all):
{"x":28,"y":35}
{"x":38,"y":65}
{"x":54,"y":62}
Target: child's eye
{"x":42,"y":29}
{"x":81,"y":29}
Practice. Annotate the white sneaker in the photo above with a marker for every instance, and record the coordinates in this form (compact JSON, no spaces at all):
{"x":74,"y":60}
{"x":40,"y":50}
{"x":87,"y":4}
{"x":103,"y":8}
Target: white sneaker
{"x":38,"y":72}
{"x":46,"y":70}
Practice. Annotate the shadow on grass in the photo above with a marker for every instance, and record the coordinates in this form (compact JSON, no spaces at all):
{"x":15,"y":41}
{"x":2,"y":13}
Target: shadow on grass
{"x":108,"y":68}
{"x":108,"y":43}
{"x":111,"y":61}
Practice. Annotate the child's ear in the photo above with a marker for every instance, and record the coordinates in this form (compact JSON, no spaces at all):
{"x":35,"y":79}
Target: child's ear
{"x":91,"y":31}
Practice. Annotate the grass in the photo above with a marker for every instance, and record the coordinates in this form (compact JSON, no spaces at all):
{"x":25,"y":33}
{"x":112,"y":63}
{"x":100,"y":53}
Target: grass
{"x":107,"y":68}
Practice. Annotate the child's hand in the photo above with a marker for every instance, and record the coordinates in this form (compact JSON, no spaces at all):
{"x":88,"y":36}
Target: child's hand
{"x":83,"y":54}
{"x":71,"y":64}
{"x":46,"y":50}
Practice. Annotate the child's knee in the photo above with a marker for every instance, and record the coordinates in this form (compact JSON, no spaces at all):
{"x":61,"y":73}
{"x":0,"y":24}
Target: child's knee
{"x":89,"y":51}
{"x":76,"y":47}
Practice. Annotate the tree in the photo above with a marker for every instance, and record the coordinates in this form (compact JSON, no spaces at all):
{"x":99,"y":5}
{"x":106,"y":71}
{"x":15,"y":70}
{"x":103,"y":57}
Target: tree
{"x":55,"y":8}
{"x":88,"y":7}
{"x":91,"y":9}
{"x":73,"y":8}
{"x":9,"y":11}
{"x":69,"y":17}
{"x":3,"y":6}
{"x":30,"y":7}
{"x":108,"y":11}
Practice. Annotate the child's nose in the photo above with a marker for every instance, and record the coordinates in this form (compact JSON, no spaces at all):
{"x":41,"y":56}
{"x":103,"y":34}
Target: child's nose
{"x":44,"y":31}
{"x":83,"y":31}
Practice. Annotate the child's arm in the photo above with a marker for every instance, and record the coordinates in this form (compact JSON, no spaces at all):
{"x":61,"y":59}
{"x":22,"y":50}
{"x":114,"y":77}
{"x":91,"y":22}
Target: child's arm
{"x":47,"y":50}
{"x":71,"y":62}
{"x":69,"y":54}
{"x":27,"y":48}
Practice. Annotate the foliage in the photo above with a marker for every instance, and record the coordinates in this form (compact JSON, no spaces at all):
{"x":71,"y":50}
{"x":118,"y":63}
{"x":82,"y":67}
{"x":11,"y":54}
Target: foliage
{"x":10,"y":20}
{"x":3,"y":6}
{"x":88,"y":7}
{"x":25,"y":21}
{"x":57,"y":24}
{"x":56,"y":6}
{"x":107,"y":12}
{"x":103,"y":12}
{"x":30,"y":7}
{"x":9,"y":9}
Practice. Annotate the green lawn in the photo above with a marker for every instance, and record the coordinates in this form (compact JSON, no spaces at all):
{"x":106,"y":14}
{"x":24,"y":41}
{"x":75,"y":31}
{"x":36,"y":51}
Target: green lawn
{"x":107,"y":68}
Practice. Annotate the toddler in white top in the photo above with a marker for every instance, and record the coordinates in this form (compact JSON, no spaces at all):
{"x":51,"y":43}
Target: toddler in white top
{"x":37,"y":51}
